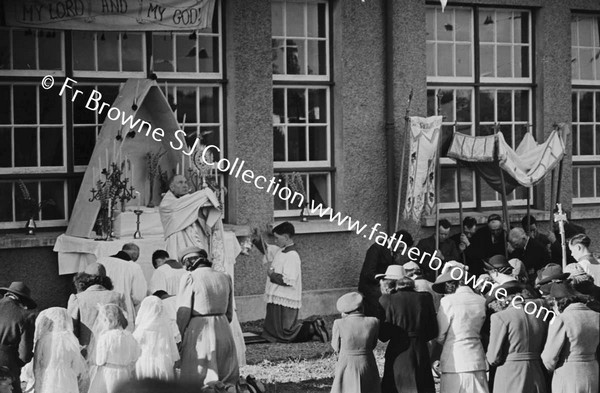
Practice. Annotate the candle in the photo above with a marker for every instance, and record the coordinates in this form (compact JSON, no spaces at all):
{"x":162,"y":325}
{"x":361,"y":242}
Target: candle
{"x":183,"y":164}
{"x":99,"y":163}
{"x":120,"y":151}
{"x":109,"y":206}
{"x":114,"y":152}
{"x":177,"y":169}
{"x":93,"y":176}
{"x":139,"y":197}
{"x":107,"y":165}
{"x":131,"y":174}
{"x":137,"y":87}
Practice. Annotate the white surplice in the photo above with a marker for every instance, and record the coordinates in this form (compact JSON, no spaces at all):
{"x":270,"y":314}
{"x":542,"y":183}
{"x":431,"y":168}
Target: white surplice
{"x":167,"y":279}
{"x":127,"y":278}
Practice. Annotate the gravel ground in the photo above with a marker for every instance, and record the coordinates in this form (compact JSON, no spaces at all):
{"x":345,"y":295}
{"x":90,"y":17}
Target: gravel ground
{"x":295,"y":368}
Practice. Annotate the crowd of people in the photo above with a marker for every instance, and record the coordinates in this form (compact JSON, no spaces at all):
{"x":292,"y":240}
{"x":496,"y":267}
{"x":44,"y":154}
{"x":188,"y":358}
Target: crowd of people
{"x":117,"y":328}
{"x":474,"y":340}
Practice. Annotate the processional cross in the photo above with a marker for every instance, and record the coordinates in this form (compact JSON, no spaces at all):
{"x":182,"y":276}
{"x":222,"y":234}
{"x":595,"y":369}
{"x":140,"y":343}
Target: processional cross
{"x":561,"y":218}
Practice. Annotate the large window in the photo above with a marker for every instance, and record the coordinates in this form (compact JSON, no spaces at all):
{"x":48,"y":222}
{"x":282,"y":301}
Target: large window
{"x":47,"y":140}
{"x":479,"y":77}
{"x":585,"y":67}
{"x":302,"y":100}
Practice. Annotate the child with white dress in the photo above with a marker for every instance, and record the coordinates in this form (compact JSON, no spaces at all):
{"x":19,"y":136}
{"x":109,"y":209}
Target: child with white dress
{"x":116,"y":351}
{"x":57,"y":361}
{"x":158,"y":347}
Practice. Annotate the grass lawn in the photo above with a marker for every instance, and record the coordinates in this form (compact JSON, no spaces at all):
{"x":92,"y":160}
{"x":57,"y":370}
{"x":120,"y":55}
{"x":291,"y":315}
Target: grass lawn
{"x":295,"y":368}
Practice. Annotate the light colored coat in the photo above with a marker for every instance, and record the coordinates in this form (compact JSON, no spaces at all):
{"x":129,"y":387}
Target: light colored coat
{"x":167,"y":279}
{"x":460,"y":318}
{"x":516,"y":342}
{"x":571,"y":350}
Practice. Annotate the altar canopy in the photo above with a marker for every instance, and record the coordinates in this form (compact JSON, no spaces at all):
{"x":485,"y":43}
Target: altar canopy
{"x":525,"y":166}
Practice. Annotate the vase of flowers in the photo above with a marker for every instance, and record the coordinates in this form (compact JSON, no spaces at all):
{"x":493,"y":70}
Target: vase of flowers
{"x":31,"y":207}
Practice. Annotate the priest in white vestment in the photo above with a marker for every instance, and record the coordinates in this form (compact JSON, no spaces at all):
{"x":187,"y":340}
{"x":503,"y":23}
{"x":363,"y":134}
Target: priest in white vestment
{"x":188,"y":219}
{"x":127,"y":278}
{"x":195,"y":220}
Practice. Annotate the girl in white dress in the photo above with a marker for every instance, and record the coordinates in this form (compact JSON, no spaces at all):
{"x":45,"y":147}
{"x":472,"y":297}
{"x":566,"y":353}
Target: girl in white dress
{"x":116,"y":351}
{"x":156,"y":340}
{"x":57,"y":360}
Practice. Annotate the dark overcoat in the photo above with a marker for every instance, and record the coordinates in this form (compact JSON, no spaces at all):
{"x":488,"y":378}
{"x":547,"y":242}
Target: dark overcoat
{"x":17,"y":326}
{"x":410,"y":322}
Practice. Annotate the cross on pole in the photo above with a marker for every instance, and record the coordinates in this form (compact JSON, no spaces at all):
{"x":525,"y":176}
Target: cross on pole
{"x":561,"y":218}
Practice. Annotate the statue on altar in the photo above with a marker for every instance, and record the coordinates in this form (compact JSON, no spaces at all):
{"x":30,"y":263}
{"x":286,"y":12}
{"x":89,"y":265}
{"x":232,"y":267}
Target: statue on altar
{"x":192,"y":220}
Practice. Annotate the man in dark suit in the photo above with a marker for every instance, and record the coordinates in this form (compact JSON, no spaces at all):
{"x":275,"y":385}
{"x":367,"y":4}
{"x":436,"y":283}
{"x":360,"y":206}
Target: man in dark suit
{"x":446,"y":251}
{"x":532,"y":253}
{"x":16,"y":330}
{"x":377,"y":260}
{"x":488,"y":241}
{"x":463,"y":243}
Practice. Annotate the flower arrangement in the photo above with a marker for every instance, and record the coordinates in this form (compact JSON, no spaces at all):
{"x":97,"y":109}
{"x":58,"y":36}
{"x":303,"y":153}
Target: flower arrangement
{"x":152,"y":164}
{"x":31,"y":206}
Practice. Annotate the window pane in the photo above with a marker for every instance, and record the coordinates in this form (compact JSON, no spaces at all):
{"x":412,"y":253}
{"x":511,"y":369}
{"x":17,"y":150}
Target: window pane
{"x":520,"y":131}
{"x":487,"y":104}
{"x":317,"y":140}
{"x":316,"y":57}
{"x":445,"y":26}
{"x":5,"y":102}
{"x":295,"y":57}
{"x":211,"y":135}
{"x":278,"y":105}
{"x":463,"y":24}
{"x":277,"y":19}
{"x":209,"y":105}
{"x":504,"y":105}
{"x":51,"y":146}
{"x":297,"y":144}
{"x":132,"y":52}
{"x":24,"y":50}
{"x":521,"y":61}
{"x":280,"y":204}
{"x":26,"y":140}
{"x":586,"y":63}
{"x":83,"y":50}
{"x":186,"y":53}
{"x":4,"y":50}
{"x":574,"y":100}
{"x":486,"y":26}
{"x":429,"y":23}
{"x":50,"y":107}
{"x":82,"y":115}
{"x":463,"y":60}
{"x":316,"y":20}
{"x":586,"y":140}
{"x":317,"y":104}
{"x":84,"y":139}
{"x":586,"y":106}
{"x":504,"y":61}
{"x":597,"y":151}
{"x":25,"y":107}
{"x":50,"y":55}
{"x":448,"y":185}
{"x":431,"y":59}
{"x":447,"y":102}
{"x":431,"y":104}
{"x":487,"y":61}
{"x":186,"y":104}
{"x":53,"y":193}
{"x":278,"y":53}
{"x":576,"y":182}
{"x":296,"y":111}
{"x":521,"y":25}
{"x":504,"y":26}
{"x":597,"y":171}
{"x":318,"y":188}
{"x":279,"y":143}
{"x":108,"y":52}
{"x":586,"y":185}
{"x":5,"y":148}
{"x":586,"y":30}
{"x":521,"y":105}
{"x":208,"y":57}
{"x":295,"y":19}
{"x":109,"y":94}
{"x":445,"y":60}
{"x":6,"y":201}
{"x":575,"y":149}
{"x":162,"y":52}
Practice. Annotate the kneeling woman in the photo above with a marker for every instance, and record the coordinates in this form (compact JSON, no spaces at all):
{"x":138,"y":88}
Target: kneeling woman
{"x":205,"y":309}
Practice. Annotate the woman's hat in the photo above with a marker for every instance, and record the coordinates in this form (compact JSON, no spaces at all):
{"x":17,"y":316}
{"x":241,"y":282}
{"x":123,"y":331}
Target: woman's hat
{"x":95,"y":269}
{"x":393,"y":272}
{"x":575,"y":270}
{"x":562,"y":289}
{"x":23,"y":292}
{"x":496,"y":262}
{"x":449,"y":276}
{"x":551,"y":272}
{"x":191,"y":250}
{"x":349,"y":302}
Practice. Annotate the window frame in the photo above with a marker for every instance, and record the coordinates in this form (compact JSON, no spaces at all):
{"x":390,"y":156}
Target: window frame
{"x":477,"y":84}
